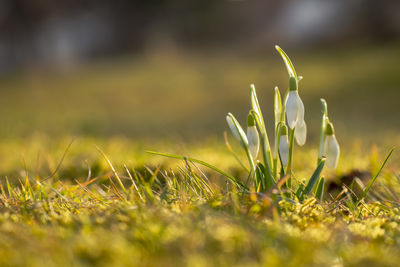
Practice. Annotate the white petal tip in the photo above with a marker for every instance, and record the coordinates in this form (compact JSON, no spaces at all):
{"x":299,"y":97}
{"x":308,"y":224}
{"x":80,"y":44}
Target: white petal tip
{"x":301,"y":133}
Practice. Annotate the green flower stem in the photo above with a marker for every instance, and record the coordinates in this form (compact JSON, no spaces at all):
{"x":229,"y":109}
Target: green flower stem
{"x":266,"y":151}
{"x":275,"y":155}
{"x":251,"y":162}
{"x":275,"y":159}
{"x":322,"y":133}
{"x":275,"y":167}
{"x":321,"y":142}
{"x":291,"y":146}
{"x":267,"y":159}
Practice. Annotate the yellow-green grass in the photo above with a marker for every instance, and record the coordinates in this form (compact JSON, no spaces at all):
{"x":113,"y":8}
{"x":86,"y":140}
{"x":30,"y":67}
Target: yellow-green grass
{"x":53,"y":216}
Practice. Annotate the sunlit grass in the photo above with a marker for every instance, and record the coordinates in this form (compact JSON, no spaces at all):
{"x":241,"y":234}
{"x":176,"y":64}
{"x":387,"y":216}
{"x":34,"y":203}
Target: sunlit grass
{"x":169,"y":219}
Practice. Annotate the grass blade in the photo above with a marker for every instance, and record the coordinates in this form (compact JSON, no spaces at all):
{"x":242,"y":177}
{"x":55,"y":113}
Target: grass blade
{"x":372,"y":181}
{"x":230,"y":177}
{"x":230,"y":149}
{"x":112,"y":168}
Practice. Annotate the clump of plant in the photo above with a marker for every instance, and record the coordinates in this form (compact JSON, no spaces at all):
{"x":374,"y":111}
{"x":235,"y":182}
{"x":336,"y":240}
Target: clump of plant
{"x":275,"y":168}
{"x":271,"y":168}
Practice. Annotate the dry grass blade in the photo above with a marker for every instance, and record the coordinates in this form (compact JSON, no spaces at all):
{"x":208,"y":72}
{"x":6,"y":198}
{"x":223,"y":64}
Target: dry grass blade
{"x":61,"y":161}
{"x":112,"y":168}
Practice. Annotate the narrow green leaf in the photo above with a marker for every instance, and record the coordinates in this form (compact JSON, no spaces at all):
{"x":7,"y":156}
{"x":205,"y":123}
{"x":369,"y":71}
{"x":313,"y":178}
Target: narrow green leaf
{"x":255,"y":105}
{"x":314,"y":178}
{"x":230,"y":177}
{"x":350,"y":203}
{"x":265,"y":148}
{"x":259,"y":179}
{"x":319,"y":193}
{"x":258,"y":116}
{"x":288,"y":62}
{"x":268,"y":181}
{"x":230,"y":149}
{"x":324,"y":106}
{"x":372,"y":181}
{"x":277,"y":107}
{"x":300,"y":191}
{"x":10,"y":194}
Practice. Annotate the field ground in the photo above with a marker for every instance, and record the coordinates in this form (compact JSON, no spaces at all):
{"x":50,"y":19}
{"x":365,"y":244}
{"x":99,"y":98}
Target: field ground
{"x":61,"y":203}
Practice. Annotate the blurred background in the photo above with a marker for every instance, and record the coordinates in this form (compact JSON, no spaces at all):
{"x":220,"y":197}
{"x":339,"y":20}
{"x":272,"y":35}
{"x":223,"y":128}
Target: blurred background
{"x":173,"y":69}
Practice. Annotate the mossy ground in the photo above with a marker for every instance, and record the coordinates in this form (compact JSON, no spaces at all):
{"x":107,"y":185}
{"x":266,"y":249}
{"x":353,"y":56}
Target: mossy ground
{"x":70,"y":216}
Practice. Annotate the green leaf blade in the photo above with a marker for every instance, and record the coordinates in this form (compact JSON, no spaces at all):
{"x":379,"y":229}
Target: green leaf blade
{"x":314,"y":178}
{"x":288,"y":62}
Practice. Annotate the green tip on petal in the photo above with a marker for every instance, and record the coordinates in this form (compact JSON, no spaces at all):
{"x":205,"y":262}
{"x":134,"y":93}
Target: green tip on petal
{"x":293,"y":84}
{"x":284,"y":130}
{"x":250,"y":120}
{"x":329,"y":130}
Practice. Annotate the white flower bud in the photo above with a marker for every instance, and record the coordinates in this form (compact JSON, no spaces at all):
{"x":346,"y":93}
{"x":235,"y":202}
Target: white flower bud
{"x":284,"y":146}
{"x":254,"y":141}
{"x":237,"y":132}
{"x":331,"y":151}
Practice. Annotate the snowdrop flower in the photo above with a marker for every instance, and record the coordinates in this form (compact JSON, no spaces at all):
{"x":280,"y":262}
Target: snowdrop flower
{"x":284,"y":145}
{"x":252,"y":136}
{"x":331,"y":147}
{"x":295,"y":112}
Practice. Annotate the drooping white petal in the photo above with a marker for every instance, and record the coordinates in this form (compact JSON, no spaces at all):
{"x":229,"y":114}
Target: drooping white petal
{"x":301,"y":128}
{"x":237,"y":132}
{"x":284,"y":149}
{"x":254,"y":141}
{"x":300,"y":113}
{"x":331,"y":151}
{"x":301,"y":132}
{"x":292,"y":108}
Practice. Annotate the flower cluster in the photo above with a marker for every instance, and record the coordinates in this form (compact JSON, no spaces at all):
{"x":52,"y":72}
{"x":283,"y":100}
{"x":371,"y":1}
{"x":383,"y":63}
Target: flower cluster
{"x":290,"y":125}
